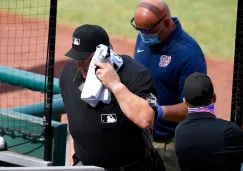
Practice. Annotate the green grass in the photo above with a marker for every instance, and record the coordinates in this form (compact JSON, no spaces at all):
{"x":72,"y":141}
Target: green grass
{"x":36,"y":8}
{"x":211,"y":22}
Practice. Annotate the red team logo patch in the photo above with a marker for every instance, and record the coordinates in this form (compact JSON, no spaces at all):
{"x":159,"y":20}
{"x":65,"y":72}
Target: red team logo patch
{"x":164,"y":61}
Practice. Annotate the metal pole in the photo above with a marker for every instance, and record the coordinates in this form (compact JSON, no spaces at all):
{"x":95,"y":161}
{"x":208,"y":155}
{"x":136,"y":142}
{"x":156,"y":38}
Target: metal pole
{"x":237,"y":88}
{"x":48,"y":132}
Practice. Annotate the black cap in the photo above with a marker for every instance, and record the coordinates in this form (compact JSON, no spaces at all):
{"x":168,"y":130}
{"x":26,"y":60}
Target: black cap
{"x":85,"y":40}
{"x":198,"y":89}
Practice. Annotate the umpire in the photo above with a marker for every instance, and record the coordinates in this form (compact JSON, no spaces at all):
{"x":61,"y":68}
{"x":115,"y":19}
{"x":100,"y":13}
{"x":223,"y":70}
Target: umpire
{"x":124,"y":143}
{"x":204,"y":142}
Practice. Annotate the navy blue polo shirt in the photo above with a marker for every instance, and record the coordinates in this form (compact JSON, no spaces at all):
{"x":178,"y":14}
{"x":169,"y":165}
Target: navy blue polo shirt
{"x":170,"y":63}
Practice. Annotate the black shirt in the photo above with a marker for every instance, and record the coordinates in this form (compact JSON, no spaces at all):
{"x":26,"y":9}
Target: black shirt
{"x":105,"y":144}
{"x":205,"y":143}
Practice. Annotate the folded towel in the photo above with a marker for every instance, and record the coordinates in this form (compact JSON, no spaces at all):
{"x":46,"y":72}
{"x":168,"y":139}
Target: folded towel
{"x":93,"y":90}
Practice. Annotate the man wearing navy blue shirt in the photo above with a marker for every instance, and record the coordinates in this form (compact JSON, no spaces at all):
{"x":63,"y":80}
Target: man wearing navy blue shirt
{"x":172,"y":55}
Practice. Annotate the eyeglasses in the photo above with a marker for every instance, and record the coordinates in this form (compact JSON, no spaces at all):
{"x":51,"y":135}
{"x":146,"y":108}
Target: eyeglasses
{"x":146,"y":30}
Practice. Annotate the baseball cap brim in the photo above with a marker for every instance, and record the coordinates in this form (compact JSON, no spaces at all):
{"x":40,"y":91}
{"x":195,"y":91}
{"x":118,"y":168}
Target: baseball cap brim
{"x":77,"y":55}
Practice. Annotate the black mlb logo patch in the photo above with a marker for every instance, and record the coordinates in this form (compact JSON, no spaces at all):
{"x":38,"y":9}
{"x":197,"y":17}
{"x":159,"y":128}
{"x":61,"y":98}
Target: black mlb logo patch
{"x":108,"y":118}
{"x":76,"y":41}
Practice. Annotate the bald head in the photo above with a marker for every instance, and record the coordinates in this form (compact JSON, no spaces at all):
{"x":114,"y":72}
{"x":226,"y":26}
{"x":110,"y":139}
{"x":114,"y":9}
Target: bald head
{"x":154,"y":17}
{"x":150,"y":11}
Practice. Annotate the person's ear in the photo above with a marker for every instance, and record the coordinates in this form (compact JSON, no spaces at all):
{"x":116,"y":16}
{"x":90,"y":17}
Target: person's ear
{"x":185,"y":102}
{"x":214,"y":98}
{"x":167,"y":22}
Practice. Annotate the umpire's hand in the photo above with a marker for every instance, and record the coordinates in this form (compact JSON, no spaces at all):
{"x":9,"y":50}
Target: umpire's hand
{"x":107,"y":74}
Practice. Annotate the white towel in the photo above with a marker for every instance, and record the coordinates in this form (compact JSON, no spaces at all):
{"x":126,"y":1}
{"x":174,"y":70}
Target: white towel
{"x":93,"y":90}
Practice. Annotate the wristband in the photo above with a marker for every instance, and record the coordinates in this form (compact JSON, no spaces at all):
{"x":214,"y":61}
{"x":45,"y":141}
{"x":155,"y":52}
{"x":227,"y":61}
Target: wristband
{"x":153,"y":102}
{"x":160,"y":112}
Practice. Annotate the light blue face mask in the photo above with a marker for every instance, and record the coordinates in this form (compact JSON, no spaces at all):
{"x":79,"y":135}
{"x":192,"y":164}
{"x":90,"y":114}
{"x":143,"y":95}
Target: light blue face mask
{"x":150,"y":39}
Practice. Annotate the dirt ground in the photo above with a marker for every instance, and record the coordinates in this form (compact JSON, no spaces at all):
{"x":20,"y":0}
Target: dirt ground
{"x":21,"y":46}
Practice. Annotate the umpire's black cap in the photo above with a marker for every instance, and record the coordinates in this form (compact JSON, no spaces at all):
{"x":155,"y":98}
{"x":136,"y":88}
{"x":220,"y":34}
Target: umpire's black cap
{"x":85,"y":40}
{"x":198,"y":89}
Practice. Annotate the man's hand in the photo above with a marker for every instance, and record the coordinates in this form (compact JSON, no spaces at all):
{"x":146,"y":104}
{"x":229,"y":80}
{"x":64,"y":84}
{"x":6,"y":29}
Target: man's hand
{"x":107,"y":74}
{"x":134,"y":107}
